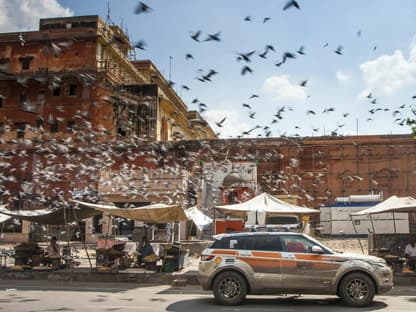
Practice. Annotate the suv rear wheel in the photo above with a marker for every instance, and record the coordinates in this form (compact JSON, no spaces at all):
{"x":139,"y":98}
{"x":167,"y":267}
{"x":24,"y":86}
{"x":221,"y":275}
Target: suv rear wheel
{"x":357,"y":289}
{"x":229,"y":288}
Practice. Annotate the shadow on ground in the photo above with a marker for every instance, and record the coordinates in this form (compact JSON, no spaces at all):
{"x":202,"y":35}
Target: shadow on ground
{"x":273,"y":304}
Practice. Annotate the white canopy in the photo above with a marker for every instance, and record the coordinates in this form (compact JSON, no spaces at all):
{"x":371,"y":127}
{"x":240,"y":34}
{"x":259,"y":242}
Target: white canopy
{"x":391,"y":204}
{"x":3,"y":217}
{"x":156,"y":213}
{"x":265,"y":203}
{"x":200,"y":219}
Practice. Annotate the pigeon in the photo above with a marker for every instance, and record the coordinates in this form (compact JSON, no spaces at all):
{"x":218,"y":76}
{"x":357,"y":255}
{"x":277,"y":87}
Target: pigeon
{"x":291,"y":4}
{"x":246,"y":69}
{"x":189,"y":56}
{"x":195,"y":36}
{"x":301,"y":50}
{"x":142,"y":8}
{"x":140,"y":45}
{"x":245,"y":56}
{"x":213,"y":37}
{"x":339,"y":50}
{"x":266,"y":19}
{"x":219,"y":123}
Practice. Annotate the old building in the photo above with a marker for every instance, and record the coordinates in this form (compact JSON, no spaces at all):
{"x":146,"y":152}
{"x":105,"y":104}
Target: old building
{"x":78,"y":72}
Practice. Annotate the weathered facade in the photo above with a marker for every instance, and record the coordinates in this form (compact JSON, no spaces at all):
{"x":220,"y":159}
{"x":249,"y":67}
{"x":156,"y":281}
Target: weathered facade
{"x":76,"y":73}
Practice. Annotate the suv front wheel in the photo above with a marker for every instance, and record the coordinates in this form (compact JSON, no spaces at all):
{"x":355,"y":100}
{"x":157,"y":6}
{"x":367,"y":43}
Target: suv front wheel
{"x":229,"y":288}
{"x":357,"y":289}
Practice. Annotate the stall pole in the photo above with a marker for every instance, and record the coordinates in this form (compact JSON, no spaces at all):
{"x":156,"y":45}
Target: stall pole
{"x":356,"y":233}
{"x":83,"y":240}
{"x":374,"y":231}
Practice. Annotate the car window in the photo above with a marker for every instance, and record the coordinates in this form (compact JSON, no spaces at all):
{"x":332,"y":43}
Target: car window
{"x":268,"y":243}
{"x":299,"y":244}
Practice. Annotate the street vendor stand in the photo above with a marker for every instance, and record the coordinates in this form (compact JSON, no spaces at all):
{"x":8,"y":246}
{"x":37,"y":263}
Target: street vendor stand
{"x":153,"y":214}
{"x":394,"y":205}
{"x":263,"y":206}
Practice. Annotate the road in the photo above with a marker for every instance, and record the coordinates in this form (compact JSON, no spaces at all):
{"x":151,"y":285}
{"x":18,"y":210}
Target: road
{"x":42,"y":296}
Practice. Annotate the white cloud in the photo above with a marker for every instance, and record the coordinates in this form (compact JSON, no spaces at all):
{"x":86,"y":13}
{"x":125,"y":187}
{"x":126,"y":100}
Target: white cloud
{"x":24,"y":15}
{"x":233,"y":126}
{"x":282,"y":89}
{"x":341,"y":76}
{"x":389,"y":73}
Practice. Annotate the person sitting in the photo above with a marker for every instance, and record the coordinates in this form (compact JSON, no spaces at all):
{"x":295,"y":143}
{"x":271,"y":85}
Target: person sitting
{"x":145,"y":249}
{"x":410,"y":254}
{"x":53,"y":253}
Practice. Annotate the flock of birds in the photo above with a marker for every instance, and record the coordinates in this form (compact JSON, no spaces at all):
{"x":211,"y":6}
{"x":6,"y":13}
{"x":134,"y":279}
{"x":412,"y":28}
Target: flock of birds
{"x":85,"y":159}
{"x":400,"y":117}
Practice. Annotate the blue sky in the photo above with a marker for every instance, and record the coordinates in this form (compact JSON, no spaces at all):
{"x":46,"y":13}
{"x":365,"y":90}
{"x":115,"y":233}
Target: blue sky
{"x":382,"y":60}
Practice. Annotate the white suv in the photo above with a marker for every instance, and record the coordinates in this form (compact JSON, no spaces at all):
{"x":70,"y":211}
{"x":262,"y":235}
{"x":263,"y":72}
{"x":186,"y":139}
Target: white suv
{"x":283,"y":263}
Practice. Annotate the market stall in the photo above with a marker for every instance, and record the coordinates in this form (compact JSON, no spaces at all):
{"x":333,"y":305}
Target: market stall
{"x":256,"y":210}
{"x":393,"y":250}
{"x":170,"y":253}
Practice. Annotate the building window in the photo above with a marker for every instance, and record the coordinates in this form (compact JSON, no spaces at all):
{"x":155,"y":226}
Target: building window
{"x":56,"y":91}
{"x":1,"y":128}
{"x":26,"y":62}
{"x":54,"y":126}
{"x":39,"y":122}
{"x":72,"y":91}
{"x":1,"y":101}
{"x":20,"y":130}
{"x":70,"y":125}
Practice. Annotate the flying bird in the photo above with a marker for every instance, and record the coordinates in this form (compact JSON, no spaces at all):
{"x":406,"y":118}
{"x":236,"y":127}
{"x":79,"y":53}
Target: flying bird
{"x":266,"y":50}
{"x":213,"y":37}
{"x":142,"y":8}
{"x":140,"y":45}
{"x":266,"y":19}
{"x":189,"y":56}
{"x":185,"y":87}
{"x":290,"y":4}
{"x":301,"y":50}
{"x":253,"y":96}
{"x":286,"y":55}
{"x":195,"y":35}
{"x":247,"y":18}
{"x":246,"y":105}
{"x":303,"y":83}
{"x":219,"y":123}
{"x":246,"y":69}
{"x":245,"y":56}
{"x":339,"y":50}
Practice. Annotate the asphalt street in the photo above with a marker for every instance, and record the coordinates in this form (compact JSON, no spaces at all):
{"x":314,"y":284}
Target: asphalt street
{"x":39,"y":296}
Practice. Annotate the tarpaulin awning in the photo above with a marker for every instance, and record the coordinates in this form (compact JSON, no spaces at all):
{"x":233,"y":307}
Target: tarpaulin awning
{"x":391,"y":204}
{"x":155,"y":213}
{"x":198,"y":217}
{"x":3,"y":217}
{"x":266,"y":203}
{"x":50,"y":216}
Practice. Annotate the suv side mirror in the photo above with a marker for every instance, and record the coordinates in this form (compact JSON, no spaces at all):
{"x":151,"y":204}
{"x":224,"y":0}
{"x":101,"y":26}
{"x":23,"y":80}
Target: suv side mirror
{"x":317,"y":249}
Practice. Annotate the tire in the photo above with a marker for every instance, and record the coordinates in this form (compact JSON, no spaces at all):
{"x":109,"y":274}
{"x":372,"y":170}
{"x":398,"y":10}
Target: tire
{"x":357,"y":290}
{"x":230,"y":288}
